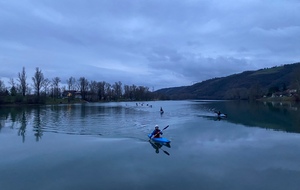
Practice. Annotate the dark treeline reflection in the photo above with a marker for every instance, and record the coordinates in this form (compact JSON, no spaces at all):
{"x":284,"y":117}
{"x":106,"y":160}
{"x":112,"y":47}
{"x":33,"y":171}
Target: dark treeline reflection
{"x":269,"y":115}
{"x":37,"y":124}
{"x":77,"y":119}
{"x":113,"y":119}
{"x":19,"y":118}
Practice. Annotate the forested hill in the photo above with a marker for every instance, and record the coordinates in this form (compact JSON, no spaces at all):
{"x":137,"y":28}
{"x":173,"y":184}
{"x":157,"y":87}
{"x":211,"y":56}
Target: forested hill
{"x":245,"y":85}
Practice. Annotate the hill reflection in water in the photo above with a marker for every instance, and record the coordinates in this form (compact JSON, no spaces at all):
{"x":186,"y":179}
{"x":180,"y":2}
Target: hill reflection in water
{"x":269,"y":115}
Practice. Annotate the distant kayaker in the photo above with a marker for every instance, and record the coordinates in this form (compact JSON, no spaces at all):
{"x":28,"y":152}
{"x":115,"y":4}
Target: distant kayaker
{"x":161,"y":110}
{"x":221,"y":114}
{"x":156,"y":133}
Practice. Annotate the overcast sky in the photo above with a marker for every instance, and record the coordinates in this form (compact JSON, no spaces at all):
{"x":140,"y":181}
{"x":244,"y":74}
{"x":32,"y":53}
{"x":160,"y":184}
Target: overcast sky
{"x":153,"y":43}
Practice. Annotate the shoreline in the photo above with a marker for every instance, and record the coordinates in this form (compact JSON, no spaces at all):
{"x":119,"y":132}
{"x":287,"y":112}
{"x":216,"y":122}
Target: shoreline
{"x":280,"y":99}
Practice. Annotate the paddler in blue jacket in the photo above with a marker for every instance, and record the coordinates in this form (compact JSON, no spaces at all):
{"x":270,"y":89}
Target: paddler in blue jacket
{"x":156,"y":133}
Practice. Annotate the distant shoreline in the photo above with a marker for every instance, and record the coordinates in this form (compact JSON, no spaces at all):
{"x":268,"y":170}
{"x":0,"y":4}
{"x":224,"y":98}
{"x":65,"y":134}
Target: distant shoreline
{"x":291,"y":99}
{"x":280,"y":99}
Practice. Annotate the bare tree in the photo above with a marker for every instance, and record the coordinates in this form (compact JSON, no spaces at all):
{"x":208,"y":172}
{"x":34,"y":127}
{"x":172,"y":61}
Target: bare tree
{"x":13,"y":89}
{"x":38,"y":81}
{"x":127,"y":92}
{"x":71,"y":83}
{"x":93,"y":86}
{"x":12,"y":82}
{"x":2,"y":88}
{"x":63,"y":88}
{"x":141,"y":93}
{"x":133,"y":91}
{"x":117,"y":88}
{"x":22,"y":79}
{"x":108,"y":91}
{"x":46,"y":85}
{"x":101,"y":90}
{"x":83,"y":86}
{"x":55,"y":83}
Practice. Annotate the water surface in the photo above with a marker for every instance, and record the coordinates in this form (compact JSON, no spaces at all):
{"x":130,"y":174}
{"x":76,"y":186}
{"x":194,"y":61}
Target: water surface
{"x":105,"y":146}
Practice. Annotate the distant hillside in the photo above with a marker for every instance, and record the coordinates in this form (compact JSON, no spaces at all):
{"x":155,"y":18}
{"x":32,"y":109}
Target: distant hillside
{"x":246,"y":85}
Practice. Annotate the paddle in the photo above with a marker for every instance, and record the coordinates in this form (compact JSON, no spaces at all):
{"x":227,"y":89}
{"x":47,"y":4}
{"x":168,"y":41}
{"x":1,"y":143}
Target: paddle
{"x":165,"y":151}
{"x":160,"y":131}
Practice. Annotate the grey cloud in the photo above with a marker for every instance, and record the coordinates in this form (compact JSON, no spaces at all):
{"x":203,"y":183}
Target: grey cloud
{"x":168,"y":43}
{"x":195,"y":66}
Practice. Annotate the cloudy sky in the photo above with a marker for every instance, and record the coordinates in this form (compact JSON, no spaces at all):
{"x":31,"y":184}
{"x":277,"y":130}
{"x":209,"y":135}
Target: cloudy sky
{"x":153,"y":43}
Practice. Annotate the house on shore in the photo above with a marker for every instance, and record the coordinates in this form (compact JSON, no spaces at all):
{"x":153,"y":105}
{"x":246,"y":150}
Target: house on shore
{"x":286,"y":93}
{"x":72,"y":94}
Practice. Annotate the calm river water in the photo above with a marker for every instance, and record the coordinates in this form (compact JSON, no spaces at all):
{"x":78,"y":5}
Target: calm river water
{"x":105,"y":146}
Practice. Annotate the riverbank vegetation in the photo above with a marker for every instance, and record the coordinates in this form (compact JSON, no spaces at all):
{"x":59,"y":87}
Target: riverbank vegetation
{"x":42,"y":90}
{"x":280,"y":83}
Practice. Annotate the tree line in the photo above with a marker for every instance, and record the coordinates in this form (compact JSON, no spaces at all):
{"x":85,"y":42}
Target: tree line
{"x":42,"y":90}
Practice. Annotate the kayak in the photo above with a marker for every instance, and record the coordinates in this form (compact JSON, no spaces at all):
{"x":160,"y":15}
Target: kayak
{"x":222,"y":115}
{"x":159,"y":140}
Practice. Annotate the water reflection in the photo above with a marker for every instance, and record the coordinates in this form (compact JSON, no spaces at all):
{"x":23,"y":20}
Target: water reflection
{"x":159,"y":146}
{"x":212,"y":117}
{"x":37,"y":124}
{"x":23,"y":123}
{"x":3,"y":118}
{"x":125,"y":120}
{"x":270,"y":115}
{"x":212,"y":154}
{"x":109,"y":119}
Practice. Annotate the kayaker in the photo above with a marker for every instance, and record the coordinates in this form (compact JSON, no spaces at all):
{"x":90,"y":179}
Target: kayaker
{"x":161,"y":110}
{"x":221,"y":114}
{"x":156,"y":133}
